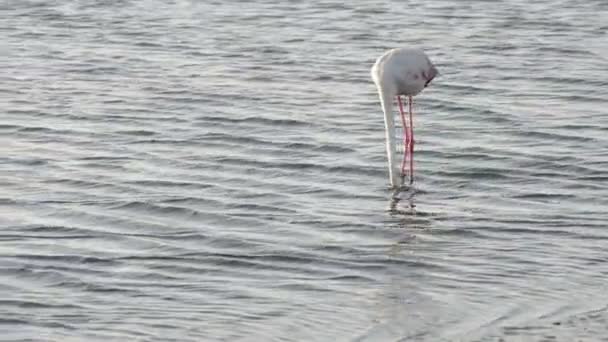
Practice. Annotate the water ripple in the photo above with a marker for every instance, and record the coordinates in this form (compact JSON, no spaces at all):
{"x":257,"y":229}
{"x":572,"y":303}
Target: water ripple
{"x":216,"y":171}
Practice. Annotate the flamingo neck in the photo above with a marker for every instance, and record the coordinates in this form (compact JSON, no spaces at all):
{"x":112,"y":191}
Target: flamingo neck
{"x":386,"y":100}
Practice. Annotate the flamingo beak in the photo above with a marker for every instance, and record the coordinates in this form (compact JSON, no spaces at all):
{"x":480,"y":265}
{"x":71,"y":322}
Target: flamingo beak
{"x":431,"y":75}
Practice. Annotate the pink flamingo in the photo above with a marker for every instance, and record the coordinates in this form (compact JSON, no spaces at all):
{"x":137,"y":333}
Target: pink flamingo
{"x":407,"y":72}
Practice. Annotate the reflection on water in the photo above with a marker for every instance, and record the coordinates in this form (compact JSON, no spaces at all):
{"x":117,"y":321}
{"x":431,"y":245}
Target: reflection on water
{"x":402,"y":200}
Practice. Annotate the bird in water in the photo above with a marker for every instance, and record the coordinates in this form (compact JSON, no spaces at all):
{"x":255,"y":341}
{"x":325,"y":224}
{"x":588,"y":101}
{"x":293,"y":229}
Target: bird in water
{"x":404,"y":71}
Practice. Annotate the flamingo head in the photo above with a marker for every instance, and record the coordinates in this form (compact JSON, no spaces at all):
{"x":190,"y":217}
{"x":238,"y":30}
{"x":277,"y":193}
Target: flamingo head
{"x":430,"y":75}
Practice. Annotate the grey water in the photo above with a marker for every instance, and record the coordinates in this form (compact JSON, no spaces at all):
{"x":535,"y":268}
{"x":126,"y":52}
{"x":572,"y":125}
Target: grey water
{"x":215,"y":171}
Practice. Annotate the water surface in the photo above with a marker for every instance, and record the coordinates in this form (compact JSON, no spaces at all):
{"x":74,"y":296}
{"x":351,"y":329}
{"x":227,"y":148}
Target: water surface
{"x":215,"y":171}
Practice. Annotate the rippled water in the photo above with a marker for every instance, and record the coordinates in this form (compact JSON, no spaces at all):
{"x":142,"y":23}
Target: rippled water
{"x":215,"y":171}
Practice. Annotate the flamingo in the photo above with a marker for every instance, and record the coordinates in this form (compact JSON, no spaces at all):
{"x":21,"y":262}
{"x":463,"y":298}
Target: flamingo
{"x":403,"y":71}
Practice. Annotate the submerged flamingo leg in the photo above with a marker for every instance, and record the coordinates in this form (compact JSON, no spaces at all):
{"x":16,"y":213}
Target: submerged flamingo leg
{"x":405,"y":136}
{"x":411,"y":142}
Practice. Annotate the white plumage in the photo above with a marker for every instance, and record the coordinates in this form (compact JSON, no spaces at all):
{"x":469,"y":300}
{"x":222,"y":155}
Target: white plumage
{"x":407,"y":72}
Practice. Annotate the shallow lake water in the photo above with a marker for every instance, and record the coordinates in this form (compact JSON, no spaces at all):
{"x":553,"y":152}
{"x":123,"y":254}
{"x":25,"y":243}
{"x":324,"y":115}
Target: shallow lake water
{"x":215,"y":171}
